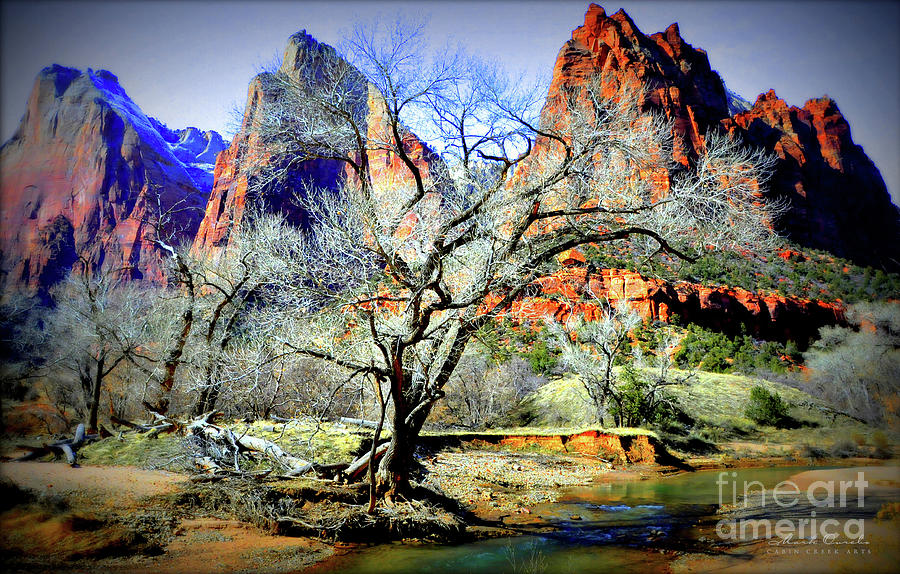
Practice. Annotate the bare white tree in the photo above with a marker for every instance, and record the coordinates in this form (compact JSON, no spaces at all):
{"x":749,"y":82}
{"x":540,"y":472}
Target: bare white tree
{"x":857,"y":368}
{"x":98,"y":323}
{"x":400,"y":267}
{"x":592,"y":348}
{"x":481,"y":394}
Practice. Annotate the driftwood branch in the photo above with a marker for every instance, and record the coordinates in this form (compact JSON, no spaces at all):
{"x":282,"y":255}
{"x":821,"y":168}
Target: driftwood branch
{"x":358,"y":422}
{"x":68,"y":448}
{"x":235,"y":443}
{"x":162,"y":424}
{"x":359,"y":466}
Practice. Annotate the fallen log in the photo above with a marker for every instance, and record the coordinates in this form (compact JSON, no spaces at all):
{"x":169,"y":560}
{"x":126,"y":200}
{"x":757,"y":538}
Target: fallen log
{"x":162,"y":424}
{"x":222,"y":436}
{"x":128,"y":424}
{"x":358,"y":422}
{"x":355,"y":470}
{"x":206,"y":478}
{"x":161,"y":428}
{"x":67,"y":448}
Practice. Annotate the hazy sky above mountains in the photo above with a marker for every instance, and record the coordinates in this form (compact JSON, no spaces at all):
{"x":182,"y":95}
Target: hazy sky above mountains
{"x":189,"y":63}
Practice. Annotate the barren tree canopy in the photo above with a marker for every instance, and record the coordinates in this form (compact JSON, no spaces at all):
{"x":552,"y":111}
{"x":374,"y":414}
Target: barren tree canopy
{"x":410,"y":253}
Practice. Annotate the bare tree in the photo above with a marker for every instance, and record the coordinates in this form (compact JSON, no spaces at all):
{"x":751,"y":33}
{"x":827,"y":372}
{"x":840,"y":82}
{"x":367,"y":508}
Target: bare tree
{"x":858,"y":368}
{"x":481,"y":394}
{"x":394,"y":275}
{"x":98,"y":323}
{"x":198,"y":317}
{"x":591,"y":349}
{"x":621,"y":382}
{"x":230,"y":283}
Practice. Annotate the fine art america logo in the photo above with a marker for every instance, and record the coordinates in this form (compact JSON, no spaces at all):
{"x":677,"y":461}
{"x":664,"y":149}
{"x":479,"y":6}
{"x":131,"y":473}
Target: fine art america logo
{"x":790,"y":517}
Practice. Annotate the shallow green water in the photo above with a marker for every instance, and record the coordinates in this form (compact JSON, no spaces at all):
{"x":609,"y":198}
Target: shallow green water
{"x":603,"y":528}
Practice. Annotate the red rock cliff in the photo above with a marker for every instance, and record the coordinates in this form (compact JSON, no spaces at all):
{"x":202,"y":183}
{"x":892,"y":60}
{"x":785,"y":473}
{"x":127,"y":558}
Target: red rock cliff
{"x":768,"y":316}
{"x":675,"y":77}
{"x":838,"y":199}
{"x":85,"y":176}
{"x":229,"y":197}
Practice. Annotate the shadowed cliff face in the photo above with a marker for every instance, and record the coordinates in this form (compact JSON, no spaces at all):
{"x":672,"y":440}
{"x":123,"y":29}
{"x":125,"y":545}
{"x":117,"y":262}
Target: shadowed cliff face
{"x":86,"y":175}
{"x":839,"y":201}
{"x":232,"y":192}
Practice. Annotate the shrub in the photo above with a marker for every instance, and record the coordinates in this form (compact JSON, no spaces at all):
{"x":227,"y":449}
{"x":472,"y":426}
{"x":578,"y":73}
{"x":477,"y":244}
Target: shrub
{"x":716,"y":361}
{"x":810,"y":451}
{"x":844,"y":447}
{"x":766,"y":408}
{"x":858,"y":369}
{"x":480,"y":394}
{"x":540,"y":358}
{"x":718,"y":353}
{"x":636,"y":402}
{"x":882,"y":445}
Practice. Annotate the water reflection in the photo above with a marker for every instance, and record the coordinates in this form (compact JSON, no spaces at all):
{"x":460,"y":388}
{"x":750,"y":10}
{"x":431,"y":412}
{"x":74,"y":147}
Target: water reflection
{"x":602,"y":528}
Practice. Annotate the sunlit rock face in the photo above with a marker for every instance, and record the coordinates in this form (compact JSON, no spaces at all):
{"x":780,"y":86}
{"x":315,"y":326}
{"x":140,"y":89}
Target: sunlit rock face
{"x":674,"y":77}
{"x":86,"y":176}
{"x":838,"y":199}
{"x":231,"y":194}
{"x":729,"y":309}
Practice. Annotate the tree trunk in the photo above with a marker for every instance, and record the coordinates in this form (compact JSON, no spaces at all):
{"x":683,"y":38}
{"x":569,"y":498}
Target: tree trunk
{"x":209,"y":396}
{"x":95,"y":397}
{"x":211,"y":390}
{"x":174,"y":358}
{"x":382,"y":405}
{"x":393,"y":472}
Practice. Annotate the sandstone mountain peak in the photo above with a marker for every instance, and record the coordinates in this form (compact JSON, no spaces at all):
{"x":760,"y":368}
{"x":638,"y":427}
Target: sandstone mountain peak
{"x":302,"y":61}
{"x":675,"y":77}
{"x":80,"y":173}
{"x":830,"y":182}
{"x":85,"y":175}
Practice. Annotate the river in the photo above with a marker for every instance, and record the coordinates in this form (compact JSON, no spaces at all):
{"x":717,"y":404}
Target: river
{"x":621,"y":527}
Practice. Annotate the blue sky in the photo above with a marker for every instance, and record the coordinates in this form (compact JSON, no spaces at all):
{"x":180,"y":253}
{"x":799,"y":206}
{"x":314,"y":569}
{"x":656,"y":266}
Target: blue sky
{"x":188,"y":63}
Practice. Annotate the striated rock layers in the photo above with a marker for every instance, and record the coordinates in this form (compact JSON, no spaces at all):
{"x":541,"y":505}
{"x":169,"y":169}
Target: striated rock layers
{"x":768,"y":316}
{"x":86,"y":176}
{"x":839,"y":201}
{"x":231,"y":190}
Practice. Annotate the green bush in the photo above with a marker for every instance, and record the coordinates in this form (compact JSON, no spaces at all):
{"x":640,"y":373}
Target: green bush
{"x":541,"y":359}
{"x":636,"y":403}
{"x":766,"y":408}
{"x":718,"y":353}
{"x":716,"y":361}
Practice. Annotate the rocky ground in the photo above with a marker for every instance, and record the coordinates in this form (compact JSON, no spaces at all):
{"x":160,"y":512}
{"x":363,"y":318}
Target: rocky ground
{"x":129,"y":519}
{"x":491,"y":482}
